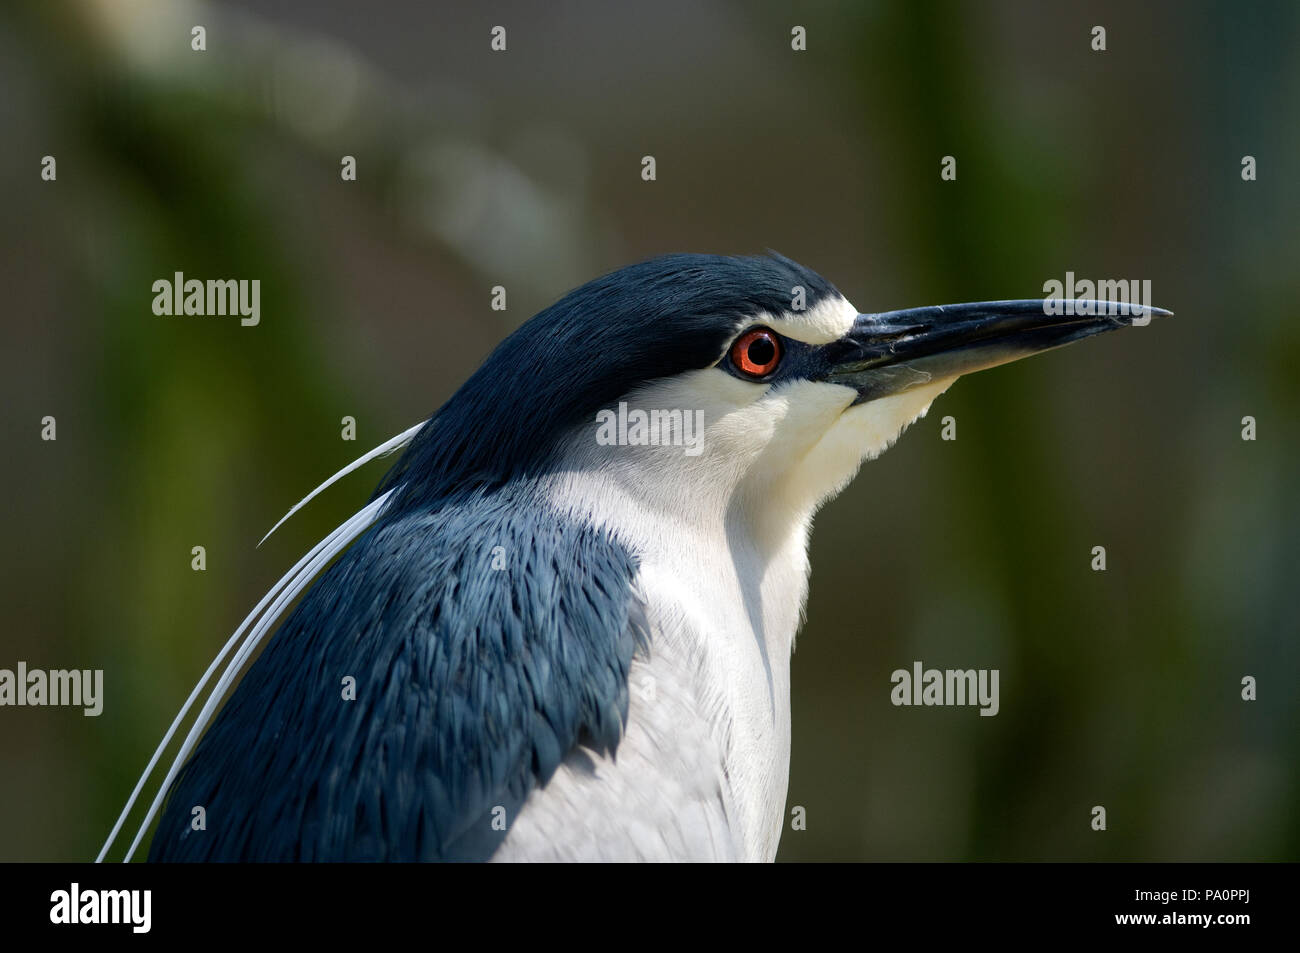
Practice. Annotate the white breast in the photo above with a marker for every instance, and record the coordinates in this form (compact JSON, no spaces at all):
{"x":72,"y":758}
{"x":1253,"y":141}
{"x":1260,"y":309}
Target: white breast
{"x":702,"y":770}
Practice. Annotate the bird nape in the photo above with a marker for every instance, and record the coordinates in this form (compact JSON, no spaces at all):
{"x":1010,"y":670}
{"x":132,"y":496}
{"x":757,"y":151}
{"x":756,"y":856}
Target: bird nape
{"x":561,"y":628}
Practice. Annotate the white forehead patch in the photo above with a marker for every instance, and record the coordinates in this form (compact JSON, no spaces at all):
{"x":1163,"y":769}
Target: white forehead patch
{"x":828,"y":320}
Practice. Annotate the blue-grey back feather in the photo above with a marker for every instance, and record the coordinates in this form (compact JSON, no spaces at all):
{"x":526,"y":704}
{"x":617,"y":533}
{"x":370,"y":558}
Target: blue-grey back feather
{"x":472,"y":684}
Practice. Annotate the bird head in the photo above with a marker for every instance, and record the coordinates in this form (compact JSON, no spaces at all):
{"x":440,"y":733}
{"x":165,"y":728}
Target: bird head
{"x":750,"y":382}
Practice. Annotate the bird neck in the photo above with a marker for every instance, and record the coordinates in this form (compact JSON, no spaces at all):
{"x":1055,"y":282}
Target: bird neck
{"x":724,"y":597}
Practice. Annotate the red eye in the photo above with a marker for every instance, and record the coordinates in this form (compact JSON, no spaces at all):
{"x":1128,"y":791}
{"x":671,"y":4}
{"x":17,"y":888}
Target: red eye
{"x":756,"y":353}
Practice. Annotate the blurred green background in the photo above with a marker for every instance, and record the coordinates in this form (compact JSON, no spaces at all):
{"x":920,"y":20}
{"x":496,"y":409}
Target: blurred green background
{"x":475,"y":169}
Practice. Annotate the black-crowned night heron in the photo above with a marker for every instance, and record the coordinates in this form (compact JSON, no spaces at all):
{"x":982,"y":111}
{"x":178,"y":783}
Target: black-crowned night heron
{"x":562,"y":626}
